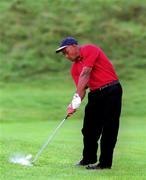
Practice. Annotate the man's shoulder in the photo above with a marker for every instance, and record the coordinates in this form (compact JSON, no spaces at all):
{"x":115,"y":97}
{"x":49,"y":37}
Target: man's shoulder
{"x":89,"y":47}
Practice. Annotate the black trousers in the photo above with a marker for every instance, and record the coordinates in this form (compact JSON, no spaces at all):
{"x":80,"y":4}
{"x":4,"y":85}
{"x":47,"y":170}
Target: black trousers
{"x":101,"y":122}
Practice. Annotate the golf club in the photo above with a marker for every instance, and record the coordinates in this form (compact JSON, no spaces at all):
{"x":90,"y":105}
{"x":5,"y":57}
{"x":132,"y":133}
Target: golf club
{"x":49,"y":140}
{"x":26,"y":160}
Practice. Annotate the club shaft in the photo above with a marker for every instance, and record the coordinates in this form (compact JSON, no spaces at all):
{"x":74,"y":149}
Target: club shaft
{"x":49,"y":140}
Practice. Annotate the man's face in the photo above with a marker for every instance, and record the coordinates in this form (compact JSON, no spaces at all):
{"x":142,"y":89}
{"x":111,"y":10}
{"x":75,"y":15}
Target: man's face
{"x":71,"y":52}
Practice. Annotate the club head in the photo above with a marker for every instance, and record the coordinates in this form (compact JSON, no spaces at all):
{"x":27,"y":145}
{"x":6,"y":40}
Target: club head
{"x":22,"y":160}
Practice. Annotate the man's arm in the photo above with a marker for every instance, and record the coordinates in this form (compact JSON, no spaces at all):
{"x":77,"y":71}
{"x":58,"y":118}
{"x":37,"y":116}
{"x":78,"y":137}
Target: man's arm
{"x":83,"y":81}
{"x":81,"y":90}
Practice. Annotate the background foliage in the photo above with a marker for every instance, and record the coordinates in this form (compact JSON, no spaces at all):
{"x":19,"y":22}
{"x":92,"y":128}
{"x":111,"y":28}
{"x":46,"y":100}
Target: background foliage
{"x":31,"y":30}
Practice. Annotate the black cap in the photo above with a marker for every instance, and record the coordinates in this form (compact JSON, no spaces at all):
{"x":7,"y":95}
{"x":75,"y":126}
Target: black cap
{"x":65,"y":42}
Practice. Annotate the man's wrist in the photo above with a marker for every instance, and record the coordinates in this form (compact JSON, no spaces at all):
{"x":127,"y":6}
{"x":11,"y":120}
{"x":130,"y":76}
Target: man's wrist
{"x":76,"y":101}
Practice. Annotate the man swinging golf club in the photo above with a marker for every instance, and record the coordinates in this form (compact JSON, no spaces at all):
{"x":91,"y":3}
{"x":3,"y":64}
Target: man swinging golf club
{"x":92,"y":69}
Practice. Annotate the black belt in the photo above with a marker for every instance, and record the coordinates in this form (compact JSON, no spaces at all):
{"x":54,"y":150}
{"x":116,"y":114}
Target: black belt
{"x":107,"y":85}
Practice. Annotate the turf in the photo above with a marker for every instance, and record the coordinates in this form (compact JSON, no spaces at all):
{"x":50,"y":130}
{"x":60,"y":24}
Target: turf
{"x":31,"y":110}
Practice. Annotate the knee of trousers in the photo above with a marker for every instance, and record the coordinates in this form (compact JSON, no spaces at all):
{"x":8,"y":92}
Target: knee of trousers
{"x":87,"y":132}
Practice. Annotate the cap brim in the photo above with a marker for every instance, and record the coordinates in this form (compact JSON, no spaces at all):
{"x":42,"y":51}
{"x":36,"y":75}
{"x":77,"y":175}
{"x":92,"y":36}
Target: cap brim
{"x":60,"y":49}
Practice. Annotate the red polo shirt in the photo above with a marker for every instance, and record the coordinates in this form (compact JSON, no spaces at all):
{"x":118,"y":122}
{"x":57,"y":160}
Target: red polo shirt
{"x":102,"y":69}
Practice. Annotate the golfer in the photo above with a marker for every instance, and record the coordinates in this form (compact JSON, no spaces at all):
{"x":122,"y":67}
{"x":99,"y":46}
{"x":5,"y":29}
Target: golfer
{"x":92,"y":69}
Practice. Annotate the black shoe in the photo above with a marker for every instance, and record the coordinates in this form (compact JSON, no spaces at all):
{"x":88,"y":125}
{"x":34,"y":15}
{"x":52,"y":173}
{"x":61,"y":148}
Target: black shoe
{"x":84,"y":163}
{"x":97,"y":167}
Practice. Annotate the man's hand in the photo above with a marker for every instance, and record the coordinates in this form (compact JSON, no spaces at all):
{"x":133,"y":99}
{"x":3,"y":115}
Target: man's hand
{"x":75,"y":104}
{"x":70,"y":110}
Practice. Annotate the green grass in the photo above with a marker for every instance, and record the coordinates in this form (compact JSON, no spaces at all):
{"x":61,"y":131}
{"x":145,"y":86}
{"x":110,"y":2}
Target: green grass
{"x":32,"y":109}
{"x":33,"y":99}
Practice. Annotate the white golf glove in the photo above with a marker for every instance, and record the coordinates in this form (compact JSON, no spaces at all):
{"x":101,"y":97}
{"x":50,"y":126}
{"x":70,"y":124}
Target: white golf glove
{"x":76,"y":101}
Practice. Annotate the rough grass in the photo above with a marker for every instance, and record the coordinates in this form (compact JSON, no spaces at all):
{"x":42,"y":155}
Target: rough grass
{"x":30,"y":32}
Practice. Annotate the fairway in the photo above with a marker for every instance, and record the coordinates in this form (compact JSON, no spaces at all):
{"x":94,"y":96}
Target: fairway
{"x":32,"y":109}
